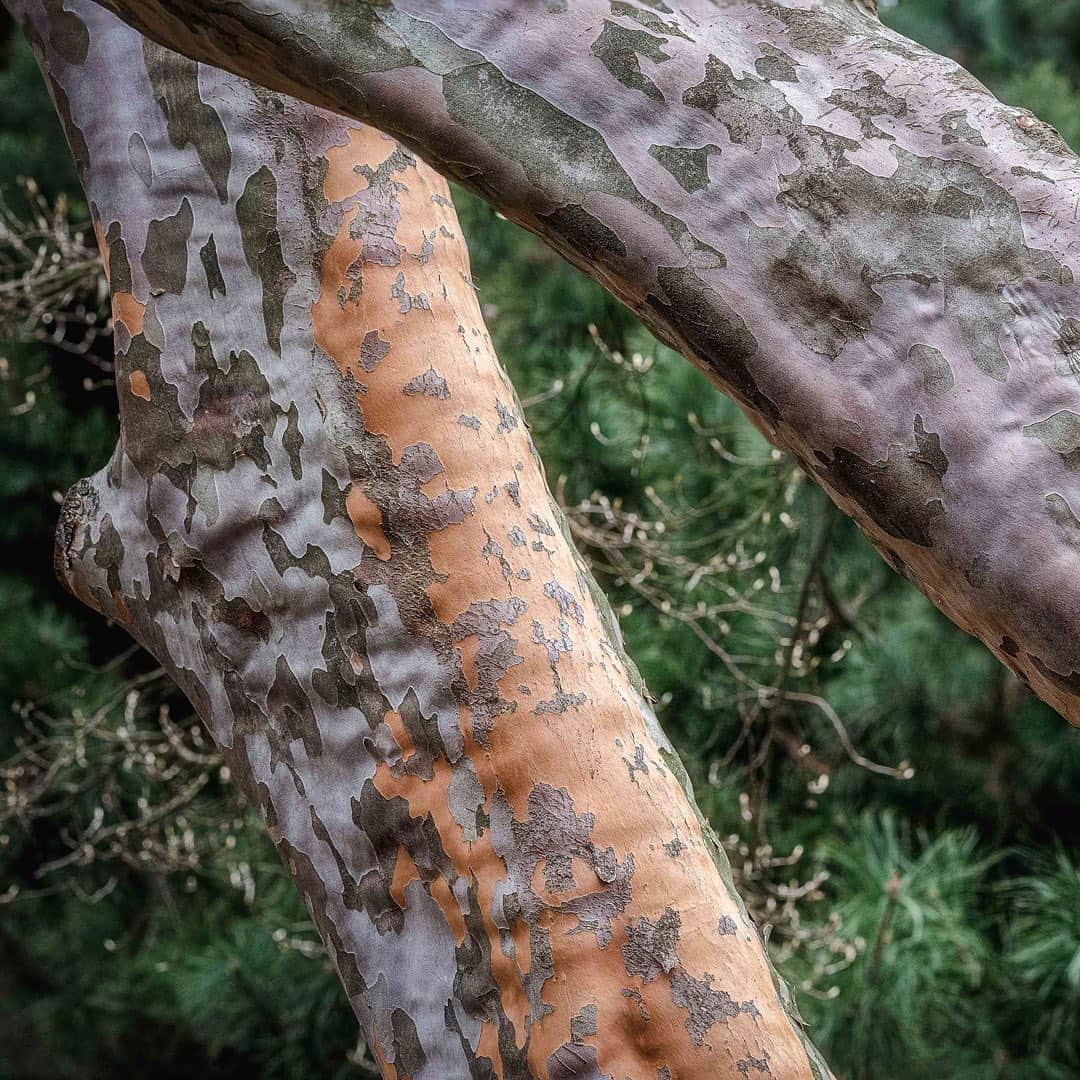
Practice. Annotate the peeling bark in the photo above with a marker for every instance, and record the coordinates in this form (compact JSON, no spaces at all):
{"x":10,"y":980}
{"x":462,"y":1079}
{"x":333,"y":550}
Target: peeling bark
{"x":326,"y":519}
{"x":870,"y":253}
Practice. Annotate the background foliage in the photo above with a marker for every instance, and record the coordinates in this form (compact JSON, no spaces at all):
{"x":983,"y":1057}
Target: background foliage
{"x":898,"y":809}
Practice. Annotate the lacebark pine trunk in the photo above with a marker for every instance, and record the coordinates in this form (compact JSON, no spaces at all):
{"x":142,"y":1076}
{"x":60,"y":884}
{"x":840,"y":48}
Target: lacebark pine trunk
{"x":326,"y":519}
{"x":866,"y":249}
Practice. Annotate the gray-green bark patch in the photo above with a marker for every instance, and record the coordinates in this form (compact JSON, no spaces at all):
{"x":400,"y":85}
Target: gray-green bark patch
{"x":165,"y":259}
{"x":256,"y":212}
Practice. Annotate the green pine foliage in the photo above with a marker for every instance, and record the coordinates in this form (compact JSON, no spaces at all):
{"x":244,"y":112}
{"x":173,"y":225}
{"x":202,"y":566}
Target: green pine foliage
{"x":1044,"y":949}
{"x":917,"y":959}
{"x":900,"y":813}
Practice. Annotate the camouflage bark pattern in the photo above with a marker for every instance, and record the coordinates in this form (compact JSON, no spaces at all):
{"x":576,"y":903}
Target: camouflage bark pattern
{"x":874,"y":256}
{"x":326,"y":518}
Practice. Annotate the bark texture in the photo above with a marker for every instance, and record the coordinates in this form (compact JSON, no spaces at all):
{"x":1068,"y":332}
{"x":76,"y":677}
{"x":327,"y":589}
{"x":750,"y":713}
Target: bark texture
{"x":326,"y":518}
{"x":868,"y":251}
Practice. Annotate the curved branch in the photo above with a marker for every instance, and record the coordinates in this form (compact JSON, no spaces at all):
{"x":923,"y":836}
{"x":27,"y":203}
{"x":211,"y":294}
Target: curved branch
{"x":868,"y":251}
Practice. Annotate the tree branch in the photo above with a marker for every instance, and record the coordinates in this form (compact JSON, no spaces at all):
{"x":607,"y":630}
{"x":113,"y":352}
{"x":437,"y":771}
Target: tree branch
{"x":868,"y":251}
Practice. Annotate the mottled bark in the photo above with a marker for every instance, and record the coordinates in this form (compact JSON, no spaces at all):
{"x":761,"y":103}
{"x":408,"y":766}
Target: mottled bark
{"x":326,"y":518}
{"x":866,"y":249}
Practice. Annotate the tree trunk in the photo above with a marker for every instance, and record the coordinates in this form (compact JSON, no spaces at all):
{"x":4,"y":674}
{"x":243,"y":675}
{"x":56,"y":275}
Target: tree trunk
{"x":326,"y":519}
{"x":861,"y":245}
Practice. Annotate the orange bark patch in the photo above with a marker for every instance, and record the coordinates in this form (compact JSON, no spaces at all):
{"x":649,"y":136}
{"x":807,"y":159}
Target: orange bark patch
{"x":404,"y":872}
{"x":451,"y":909}
{"x":365,"y":146}
{"x":367,"y":521}
{"x":140,"y":387}
{"x":394,"y":722}
{"x":103,"y":248}
{"x":127,"y":310}
{"x":121,"y":608}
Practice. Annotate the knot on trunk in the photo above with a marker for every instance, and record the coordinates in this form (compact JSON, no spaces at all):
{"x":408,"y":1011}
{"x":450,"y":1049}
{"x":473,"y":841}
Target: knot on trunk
{"x":87,"y":550}
{"x":77,"y":514}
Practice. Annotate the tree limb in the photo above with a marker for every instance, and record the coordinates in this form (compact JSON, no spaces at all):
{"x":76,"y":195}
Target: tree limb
{"x":850,"y":234}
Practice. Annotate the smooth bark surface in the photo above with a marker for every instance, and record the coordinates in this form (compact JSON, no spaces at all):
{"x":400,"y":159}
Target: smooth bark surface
{"x":868,"y":251}
{"x":326,"y":519}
